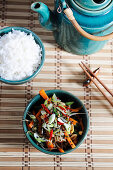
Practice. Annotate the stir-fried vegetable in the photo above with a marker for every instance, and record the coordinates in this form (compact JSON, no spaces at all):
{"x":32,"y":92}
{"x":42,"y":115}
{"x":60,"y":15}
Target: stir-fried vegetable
{"x":43,"y":94}
{"x":53,"y":126}
{"x":69,"y":139}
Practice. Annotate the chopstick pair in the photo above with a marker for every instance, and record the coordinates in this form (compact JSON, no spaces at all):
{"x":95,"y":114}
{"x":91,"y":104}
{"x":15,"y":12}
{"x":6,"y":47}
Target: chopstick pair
{"x":89,"y":73}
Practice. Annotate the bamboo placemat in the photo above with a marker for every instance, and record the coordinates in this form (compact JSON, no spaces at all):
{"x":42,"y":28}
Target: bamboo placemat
{"x":60,"y":71}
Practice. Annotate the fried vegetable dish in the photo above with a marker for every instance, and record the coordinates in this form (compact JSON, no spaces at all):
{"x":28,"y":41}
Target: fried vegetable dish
{"x":53,"y":126}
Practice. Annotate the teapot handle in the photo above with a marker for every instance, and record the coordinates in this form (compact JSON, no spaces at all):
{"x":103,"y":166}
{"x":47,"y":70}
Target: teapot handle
{"x":72,"y":19}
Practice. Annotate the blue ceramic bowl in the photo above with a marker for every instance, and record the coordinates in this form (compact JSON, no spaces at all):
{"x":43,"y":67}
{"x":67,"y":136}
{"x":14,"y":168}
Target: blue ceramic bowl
{"x":38,"y":41}
{"x":65,"y":97}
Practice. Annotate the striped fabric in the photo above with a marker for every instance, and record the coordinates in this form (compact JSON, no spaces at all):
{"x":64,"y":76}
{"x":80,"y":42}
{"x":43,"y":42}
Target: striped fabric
{"x":61,"y":71}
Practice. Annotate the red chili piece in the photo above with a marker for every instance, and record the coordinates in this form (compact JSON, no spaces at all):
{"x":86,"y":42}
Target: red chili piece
{"x":46,"y":109}
{"x":46,"y":118}
{"x":62,"y":108}
{"x":51,"y":134}
{"x":59,"y":123}
{"x":65,"y":115}
{"x":65,"y":110}
{"x":68,"y":108}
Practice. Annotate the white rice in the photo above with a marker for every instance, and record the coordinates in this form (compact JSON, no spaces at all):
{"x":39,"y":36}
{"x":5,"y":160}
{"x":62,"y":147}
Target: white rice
{"x":20,"y":56}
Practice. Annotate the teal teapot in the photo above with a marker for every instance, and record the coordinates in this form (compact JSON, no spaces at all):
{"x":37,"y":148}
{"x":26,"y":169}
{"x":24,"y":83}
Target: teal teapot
{"x":81,"y":27}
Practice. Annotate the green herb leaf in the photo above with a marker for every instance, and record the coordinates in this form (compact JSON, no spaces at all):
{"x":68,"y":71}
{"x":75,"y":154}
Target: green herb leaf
{"x":32,"y":116}
{"x":46,"y":101}
{"x":69,"y":103}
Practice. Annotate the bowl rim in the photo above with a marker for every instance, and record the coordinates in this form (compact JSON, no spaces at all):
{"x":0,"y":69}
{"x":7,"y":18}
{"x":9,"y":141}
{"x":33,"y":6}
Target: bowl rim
{"x":37,"y":39}
{"x":25,"y":127}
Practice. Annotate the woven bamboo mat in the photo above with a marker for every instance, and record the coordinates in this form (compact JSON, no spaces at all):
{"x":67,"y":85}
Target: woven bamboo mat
{"x":60,"y":71}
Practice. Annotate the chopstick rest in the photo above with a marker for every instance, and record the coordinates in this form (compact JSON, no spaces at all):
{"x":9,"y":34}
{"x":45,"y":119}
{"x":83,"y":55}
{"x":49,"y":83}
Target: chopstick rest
{"x":89,"y":73}
{"x":88,"y":81}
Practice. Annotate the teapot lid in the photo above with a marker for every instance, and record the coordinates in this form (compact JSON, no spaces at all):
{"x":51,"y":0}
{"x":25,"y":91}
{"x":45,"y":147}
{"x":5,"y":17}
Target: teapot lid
{"x":91,"y":7}
{"x":92,"y":4}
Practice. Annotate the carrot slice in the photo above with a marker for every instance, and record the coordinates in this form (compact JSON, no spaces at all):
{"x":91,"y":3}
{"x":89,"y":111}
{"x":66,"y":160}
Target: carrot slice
{"x":60,"y":149}
{"x":43,"y":94}
{"x":69,"y":140}
{"x":30,"y":125}
{"x":77,"y":109}
{"x":49,"y":144}
{"x":37,"y":115}
{"x":74,"y":122}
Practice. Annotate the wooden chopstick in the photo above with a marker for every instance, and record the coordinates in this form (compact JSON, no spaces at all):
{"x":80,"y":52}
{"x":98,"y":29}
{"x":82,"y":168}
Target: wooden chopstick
{"x":98,"y":79}
{"x":96,"y":83}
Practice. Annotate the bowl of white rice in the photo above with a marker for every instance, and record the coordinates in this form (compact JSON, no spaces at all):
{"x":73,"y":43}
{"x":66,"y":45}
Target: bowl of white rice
{"x":22,"y":55}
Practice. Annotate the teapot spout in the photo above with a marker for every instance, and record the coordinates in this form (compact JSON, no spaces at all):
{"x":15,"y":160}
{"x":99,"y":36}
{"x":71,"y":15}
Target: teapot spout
{"x":46,"y":16}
